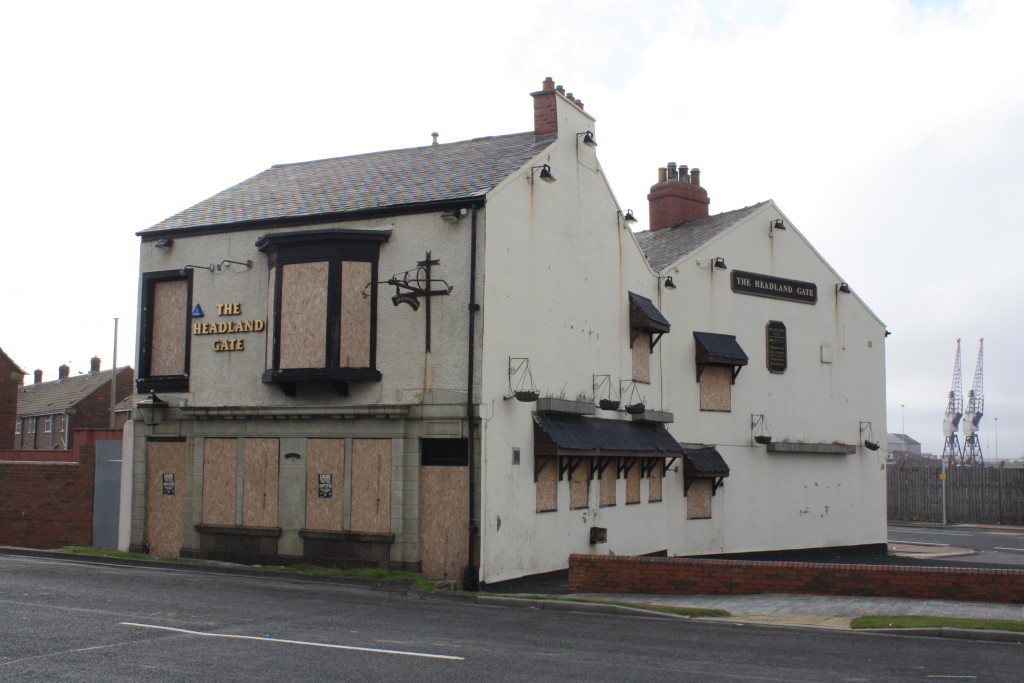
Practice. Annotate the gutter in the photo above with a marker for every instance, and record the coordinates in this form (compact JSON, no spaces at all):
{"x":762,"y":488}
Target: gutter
{"x":471,"y":575}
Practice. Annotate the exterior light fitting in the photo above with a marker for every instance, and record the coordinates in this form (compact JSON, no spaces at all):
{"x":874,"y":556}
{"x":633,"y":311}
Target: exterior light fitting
{"x":164,"y":243}
{"x":628,"y":218}
{"x":588,"y":138}
{"x":719,"y":263}
{"x":452,"y":216}
{"x":777,"y":224}
{"x":545,"y":173}
{"x":152,"y":409}
{"x":669,"y":284}
{"x":843,"y":287}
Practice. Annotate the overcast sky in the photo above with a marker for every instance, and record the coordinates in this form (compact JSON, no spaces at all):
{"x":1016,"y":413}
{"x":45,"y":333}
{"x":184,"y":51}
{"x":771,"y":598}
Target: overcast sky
{"x":891,"y":132}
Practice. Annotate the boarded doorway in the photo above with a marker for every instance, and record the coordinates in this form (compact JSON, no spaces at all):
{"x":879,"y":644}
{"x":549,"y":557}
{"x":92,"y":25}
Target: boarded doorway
{"x":444,"y":507}
{"x":165,"y":497}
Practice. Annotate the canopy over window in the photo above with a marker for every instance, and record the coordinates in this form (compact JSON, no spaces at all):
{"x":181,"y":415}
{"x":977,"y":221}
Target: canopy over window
{"x":644,"y":317}
{"x":703,"y":462}
{"x":720,"y":350}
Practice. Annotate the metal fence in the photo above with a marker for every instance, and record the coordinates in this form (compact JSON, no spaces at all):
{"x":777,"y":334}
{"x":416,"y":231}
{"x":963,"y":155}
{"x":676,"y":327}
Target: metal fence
{"x":979,"y":495}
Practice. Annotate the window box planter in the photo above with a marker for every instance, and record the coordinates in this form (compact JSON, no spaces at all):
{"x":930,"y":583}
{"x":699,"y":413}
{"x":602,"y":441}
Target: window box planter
{"x":811,"y":448}
{"x":561,"y":405}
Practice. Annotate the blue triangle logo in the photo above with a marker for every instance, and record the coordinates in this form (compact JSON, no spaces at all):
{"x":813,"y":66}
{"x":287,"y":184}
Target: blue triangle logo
{"x":197,"y":312}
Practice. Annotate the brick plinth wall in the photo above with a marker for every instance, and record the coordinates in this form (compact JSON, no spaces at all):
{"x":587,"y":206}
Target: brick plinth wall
{"x":680,"y":576}
{"x":45,"y":503}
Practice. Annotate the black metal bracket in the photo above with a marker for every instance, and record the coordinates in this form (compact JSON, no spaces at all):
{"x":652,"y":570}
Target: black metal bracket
{"x":413,"y":284}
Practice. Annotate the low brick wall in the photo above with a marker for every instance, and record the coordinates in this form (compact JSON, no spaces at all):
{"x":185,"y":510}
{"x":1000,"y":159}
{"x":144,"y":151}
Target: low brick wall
{"x":680,"y":576}
{"x":46,"y":497}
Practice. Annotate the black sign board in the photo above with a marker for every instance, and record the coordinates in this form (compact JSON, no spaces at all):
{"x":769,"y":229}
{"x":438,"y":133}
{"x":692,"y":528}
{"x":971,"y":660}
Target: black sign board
{"x":774,"y":287}
{"x":775,"y":346}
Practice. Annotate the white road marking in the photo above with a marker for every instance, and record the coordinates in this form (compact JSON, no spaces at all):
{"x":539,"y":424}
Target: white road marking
{"x":292,"y":642}
{"x":941,"y":545}
{"x":929,"y":531}
{"x":1019,"y":550}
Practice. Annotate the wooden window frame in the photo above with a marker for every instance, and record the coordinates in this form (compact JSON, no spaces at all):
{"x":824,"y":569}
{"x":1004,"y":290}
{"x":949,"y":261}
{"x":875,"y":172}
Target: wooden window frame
{"x":147,"y":382}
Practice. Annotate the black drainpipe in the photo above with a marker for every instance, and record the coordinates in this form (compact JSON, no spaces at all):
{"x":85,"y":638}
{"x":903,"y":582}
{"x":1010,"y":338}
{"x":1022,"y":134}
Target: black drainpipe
{"x":471,"y":575}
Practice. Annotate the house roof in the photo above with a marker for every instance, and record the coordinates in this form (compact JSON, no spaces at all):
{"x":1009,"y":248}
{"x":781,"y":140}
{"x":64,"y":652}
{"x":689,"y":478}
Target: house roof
{"x":364,"y":182}
{"x":907,"y":440}
{"x":14,"y":366}
{"x":47,"y":398}
{"x":666,"y":246}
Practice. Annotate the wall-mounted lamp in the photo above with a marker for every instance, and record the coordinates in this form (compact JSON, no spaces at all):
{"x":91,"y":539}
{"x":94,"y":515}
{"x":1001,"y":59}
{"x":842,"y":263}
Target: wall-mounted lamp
{"x":152,"y":409}
{"x":628,"y":218}
{"x":719,"y":263}
{"x":453,"y":216}
{"x":164,"y":243}
{"x":777,"y":224}
{"x":843,"y":287}
{"x":247,"y":263}
{"x":669,"y":284}
{"x":545,"y":173}
{"x":588,"y":138}
{"x":184,"y":269}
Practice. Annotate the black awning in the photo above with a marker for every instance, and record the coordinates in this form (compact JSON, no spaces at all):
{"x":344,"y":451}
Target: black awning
{"x":575,"y":435}
{"x":645,"y":316}
{"x":703,"y":461}
{"x":719,"y":349}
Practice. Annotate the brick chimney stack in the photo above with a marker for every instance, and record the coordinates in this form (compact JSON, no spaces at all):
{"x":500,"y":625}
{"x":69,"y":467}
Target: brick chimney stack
{"x":545,"y":108}
{"x":94,"y":365}
{"x":676,"y":197}
{"x":63,"y":371}
{"x":38,"y":376}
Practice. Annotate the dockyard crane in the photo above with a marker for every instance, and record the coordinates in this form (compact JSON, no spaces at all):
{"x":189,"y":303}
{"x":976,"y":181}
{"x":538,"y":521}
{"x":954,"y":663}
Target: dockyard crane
{"x":951,"y":451}
{"x":975,"y":408}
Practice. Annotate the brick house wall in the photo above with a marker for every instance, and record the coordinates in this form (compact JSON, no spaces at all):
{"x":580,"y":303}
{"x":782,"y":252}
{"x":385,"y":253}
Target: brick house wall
{"x":47,"y":497}
{"x":11,"y":378}
{"x":94,"y":411}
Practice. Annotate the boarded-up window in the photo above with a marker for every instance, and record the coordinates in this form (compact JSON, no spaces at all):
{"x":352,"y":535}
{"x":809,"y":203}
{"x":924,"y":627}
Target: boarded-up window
{"x":164,"y":331}
{"x":608,"y":480}
{"x":654,"y":482}
{"x":579,"y":487}
{"x":547,"y":485}
{"x":220,"y":476}
{"x":642,"y":357}
{"x":260,"y":483}
{"x":165,"y":497}
{"x":633,"y":483}
{"x":698,"y":499}
{"x":325,"y":484}
{"x":371,"y":485}
{"x":716,"y":388}
{"x":354,"y":351}
{"x":303,"y":339}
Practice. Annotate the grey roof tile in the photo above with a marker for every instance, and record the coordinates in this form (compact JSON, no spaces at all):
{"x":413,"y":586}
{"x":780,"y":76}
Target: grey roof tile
{"x":364,"y":182}
{"x":666,"y":246}
{"x":47,"y":398}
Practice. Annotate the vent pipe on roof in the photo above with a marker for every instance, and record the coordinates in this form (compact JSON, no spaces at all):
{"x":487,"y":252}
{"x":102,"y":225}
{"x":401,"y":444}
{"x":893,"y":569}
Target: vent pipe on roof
{"x":434,"y":135}
{"x":63,"y":371}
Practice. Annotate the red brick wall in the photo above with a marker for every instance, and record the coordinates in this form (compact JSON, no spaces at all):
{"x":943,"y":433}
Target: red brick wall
{"x":677,"y":575}
{"x":10,"y":380}
{"x":46,"y":504}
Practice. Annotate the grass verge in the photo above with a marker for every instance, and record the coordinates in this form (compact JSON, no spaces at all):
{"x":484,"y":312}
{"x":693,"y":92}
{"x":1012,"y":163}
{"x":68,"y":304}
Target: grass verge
{"x":670,"y":609}
{"x":921,"y":621}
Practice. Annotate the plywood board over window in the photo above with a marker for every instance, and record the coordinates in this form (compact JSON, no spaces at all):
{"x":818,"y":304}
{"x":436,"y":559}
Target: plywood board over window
{"x":547,"y":485}
{"x":170,"y":325}
{"x":579,"y":487}
{"x":698,"y":499}
{"x":304,"y":315}
{"x":220,"y":475}
{"x":642,"y":357}
{"x":654,"y":482}
{"x":260,"y":483}
{"x":355,"y":315}
{"x":716,"y":388}
{"x":371,"y":485}
{"x":325,"y":464}
{"x":633,"y":484}
{"x":608,"y":480}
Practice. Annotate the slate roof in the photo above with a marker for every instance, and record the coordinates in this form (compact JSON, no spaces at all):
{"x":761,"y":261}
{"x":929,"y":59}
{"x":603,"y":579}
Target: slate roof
{"x":721,"y":346}
{"x":666,"y":246}
{"x":46,"y":398}
{"x":364,"y":182}
{"x":704,"y":461}
{"x":578,"y":433}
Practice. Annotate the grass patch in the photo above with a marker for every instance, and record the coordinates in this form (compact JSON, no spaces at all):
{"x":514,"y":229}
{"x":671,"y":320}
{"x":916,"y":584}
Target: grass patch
{"x":120,"y":554}
{"x":921,"y":621}
{"x":670,"y":609}
{"x":417,"y":580}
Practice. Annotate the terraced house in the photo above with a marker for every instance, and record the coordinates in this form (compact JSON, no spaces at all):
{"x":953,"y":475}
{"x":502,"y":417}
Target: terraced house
{"x":460,"y":359}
